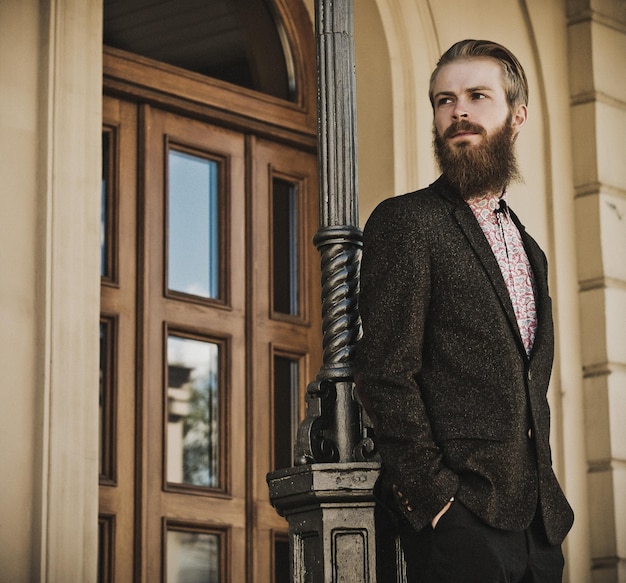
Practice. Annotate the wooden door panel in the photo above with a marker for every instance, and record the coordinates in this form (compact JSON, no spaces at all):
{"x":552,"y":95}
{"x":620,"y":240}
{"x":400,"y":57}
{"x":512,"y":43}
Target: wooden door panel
{"x":118,"y":307}
{"x":218,"y":322}
{"x":293,"y":337}
{"x":149,"y":509}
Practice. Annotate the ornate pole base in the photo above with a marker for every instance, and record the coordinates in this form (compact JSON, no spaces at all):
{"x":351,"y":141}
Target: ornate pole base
{"x":330,"y":509}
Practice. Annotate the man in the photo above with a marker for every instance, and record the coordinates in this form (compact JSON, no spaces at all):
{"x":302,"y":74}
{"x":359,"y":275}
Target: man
{"x":457,"y":345}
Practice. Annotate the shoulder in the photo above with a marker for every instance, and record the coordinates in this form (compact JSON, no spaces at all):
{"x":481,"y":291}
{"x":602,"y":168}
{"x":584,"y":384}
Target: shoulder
{"x":414,"y":211}
{"x":410,"y":202}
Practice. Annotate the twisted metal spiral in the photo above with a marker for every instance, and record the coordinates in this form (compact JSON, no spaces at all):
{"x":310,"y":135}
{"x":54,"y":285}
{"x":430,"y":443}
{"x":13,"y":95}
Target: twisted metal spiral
{"x":341,"y":323}
{"x":335,"y":428}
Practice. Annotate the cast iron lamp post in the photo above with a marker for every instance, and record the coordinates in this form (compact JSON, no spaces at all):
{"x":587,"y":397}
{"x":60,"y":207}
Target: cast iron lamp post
{"x":327,"y":497}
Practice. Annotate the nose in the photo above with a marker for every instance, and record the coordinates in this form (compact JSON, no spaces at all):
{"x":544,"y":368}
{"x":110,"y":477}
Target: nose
{"x":459,"y":111}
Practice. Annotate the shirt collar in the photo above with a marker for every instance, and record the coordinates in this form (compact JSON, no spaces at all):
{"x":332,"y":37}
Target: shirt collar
{"x":488,"y":202}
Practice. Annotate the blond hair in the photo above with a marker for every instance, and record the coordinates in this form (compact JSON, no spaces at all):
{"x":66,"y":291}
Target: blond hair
{"x":514,"y":78}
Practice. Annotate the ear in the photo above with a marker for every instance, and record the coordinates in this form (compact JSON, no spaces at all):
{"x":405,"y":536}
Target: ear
{"x":519,"y":118}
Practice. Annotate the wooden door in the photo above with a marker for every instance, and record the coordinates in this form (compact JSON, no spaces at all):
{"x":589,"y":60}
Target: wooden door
{"x":118,"y":346}
{"x":211,"y":292}
{"x":285,"y":332}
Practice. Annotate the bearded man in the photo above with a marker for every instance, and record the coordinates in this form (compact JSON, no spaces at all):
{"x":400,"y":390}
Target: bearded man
{"x":457,"y":346}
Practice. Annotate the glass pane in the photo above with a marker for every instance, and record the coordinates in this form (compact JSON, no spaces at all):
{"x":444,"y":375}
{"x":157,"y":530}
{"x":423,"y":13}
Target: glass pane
{"x":106,"y":397}
{"x":105,"y":555}
{"x":105,"y":244}
{"x":193,"y":236}
{"x":193,"y":423}
{"x":285,"y":410}
{"x":192,"y":557}
{"x":239,"y":42}
{"x":285,"y":246}
{"x":281,"y":561}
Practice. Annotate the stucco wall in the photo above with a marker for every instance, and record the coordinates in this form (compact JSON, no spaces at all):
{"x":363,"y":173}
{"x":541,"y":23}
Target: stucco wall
{"x":50,"y":119}
{"x":597,"y":51}
{"x":18,"y":285}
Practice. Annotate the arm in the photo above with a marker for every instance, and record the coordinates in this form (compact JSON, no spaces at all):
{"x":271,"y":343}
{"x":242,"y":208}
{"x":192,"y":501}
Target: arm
{"x":394,"y":301}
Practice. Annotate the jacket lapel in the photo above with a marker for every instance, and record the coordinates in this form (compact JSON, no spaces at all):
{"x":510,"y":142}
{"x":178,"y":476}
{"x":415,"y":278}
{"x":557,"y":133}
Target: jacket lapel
{"x":471,"y":229}
{"x":537,"y":264}
{"x":477,"y":240}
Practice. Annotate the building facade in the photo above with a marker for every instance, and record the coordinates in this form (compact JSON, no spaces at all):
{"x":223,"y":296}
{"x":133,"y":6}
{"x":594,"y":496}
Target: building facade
{"x":108,"y":343}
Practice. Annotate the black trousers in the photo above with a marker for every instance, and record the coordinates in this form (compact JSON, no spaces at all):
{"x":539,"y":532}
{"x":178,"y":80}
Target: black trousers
{"x":463,"y":549}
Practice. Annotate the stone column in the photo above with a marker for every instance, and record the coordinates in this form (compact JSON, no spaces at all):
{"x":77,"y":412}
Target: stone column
{"x":328,"y":496}
{"x":597,"y":39}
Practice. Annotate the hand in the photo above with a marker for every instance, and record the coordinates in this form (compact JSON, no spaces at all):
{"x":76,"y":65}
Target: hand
{"x":445,"y":509}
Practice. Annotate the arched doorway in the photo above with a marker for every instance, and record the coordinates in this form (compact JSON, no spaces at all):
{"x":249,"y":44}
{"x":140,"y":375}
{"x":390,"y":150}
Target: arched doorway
{"x":210,"y":318}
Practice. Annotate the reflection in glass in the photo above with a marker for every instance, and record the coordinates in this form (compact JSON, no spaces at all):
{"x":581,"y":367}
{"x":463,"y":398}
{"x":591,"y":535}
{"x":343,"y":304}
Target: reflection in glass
{"x":192,"y":557}
{"x":101,"y":551}
{"x":105,"y":413}
{"x":285,"y":410}
{"x":193,"y":426}
{"x":281,"y":561}
{"x":285,"y":246}
{"x":105,"y":534}
{"x":104,"y":205}
{"x":193,"y":237}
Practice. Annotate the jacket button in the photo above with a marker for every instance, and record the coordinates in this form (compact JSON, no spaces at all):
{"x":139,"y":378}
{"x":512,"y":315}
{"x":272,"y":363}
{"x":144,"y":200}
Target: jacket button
{"x":529,"y":376}
{"x":530,"y":433}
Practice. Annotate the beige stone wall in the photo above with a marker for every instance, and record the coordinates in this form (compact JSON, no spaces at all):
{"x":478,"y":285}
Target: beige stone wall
{"x":18,"y":297}
{"x":597,"y":61}
{"x":50,"y":119}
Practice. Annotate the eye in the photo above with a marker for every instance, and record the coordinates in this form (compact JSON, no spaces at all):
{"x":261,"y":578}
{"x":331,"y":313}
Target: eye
{"x":476,"y":96}
{"x":444,"y":101}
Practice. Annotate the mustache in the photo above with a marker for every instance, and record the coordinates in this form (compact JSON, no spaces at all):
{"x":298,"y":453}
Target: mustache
{"x":463,"y":125}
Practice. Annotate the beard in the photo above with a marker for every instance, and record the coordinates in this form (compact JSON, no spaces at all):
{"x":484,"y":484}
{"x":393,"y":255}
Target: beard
{"x":476,"y":170}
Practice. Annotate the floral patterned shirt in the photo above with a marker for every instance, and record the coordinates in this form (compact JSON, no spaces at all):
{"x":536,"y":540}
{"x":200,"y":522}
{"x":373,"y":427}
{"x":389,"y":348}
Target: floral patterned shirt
{"x":506,"y":243}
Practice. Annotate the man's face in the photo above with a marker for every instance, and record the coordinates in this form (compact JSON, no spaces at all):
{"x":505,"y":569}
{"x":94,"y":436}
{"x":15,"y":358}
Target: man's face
{"x":472,"y":90}
{"x":474,"y":128}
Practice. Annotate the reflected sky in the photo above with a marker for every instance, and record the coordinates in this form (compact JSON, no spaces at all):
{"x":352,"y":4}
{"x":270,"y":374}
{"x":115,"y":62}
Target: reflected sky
{"x":193,"y":257}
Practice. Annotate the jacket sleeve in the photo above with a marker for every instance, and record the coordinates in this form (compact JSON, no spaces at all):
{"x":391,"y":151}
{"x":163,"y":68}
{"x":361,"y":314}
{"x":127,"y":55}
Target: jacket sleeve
{"x":394,"y":302}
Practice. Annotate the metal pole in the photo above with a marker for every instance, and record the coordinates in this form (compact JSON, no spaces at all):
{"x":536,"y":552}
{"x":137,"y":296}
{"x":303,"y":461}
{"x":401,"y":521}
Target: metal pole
{"x":336,"y":109}
{"x":327,"y":497}
{"x":334,"y":430}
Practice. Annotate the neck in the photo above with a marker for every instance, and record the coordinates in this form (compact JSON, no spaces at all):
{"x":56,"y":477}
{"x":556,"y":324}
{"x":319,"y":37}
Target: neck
{"x":487,"y":194}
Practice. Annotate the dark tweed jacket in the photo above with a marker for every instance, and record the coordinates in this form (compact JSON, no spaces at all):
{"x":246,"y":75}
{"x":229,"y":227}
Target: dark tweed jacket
{"x":459,"y":409}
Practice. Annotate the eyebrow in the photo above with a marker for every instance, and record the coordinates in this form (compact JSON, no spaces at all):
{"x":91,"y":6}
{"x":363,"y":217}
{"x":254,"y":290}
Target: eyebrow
{"x":468,"y":90}
{"x":479,"y":88}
